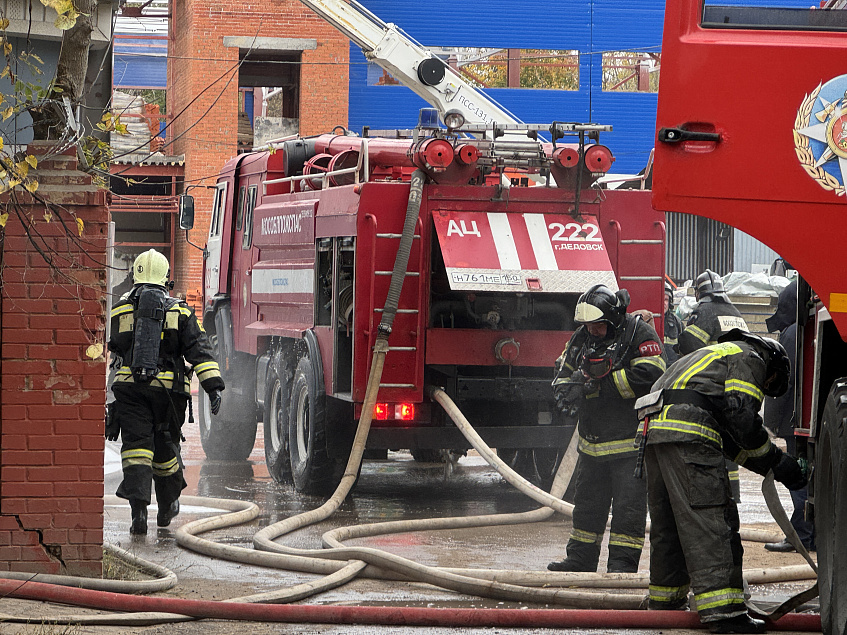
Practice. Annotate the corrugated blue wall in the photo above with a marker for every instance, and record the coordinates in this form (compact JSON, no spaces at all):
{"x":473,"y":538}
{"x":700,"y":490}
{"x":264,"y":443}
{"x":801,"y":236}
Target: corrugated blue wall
{"x":140,"y":62}
{"x":589,"y":26}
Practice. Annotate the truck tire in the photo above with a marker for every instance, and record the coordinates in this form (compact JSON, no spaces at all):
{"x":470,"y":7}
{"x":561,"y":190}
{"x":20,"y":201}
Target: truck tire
{"x":230,"y":434}
{"x":312,"y":469}
{"x":277,"y":401}
{"x":537,"y":465}
{"x":427,"y":456}
{"x":830,"y":496}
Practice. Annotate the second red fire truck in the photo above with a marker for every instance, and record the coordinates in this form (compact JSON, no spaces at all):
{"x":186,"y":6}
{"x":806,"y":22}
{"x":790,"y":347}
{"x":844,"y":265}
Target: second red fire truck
{"x":297,"y":268}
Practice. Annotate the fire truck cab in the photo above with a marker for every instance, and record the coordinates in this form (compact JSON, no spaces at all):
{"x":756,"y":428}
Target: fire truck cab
{"x":752,"y":131}
{"x":300,"y":252}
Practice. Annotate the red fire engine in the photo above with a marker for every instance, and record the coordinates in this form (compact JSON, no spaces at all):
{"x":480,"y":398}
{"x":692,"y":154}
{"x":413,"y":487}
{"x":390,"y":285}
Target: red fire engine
{"x":752,"y":131}
{"x":299,"y":256}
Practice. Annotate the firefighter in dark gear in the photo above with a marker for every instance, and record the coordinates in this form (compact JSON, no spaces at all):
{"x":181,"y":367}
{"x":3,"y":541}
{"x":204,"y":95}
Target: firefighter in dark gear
{"x":673,"y":327}
{"x":151,"y":334}
{"x":713,"y":316}
{"x":709,"y":408}
{"x":612,"y":359}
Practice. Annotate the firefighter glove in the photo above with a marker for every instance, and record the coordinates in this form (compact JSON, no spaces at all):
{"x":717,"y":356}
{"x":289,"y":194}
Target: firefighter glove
{"x":570,"y":393}
{"x":113,"y":428}
{"x":789,"y":473}
{"x":215,"y":401}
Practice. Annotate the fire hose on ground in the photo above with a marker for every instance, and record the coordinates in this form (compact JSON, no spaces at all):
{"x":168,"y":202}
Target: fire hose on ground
{"x":340,"y":564}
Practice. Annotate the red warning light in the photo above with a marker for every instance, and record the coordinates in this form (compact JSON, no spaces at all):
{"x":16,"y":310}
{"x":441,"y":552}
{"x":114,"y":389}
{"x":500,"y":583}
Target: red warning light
{"x":404,"y":411}
{"x":381,"y":411}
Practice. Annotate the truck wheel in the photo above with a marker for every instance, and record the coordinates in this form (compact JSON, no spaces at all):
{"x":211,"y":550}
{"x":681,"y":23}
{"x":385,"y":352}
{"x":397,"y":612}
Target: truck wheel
{"x":537,"y":465}
{"x":427,"y":456}
{"x":830,"y":490}
{"x":312,"y":469}
{"x":276,"y":428}
{"x":230,"y":434}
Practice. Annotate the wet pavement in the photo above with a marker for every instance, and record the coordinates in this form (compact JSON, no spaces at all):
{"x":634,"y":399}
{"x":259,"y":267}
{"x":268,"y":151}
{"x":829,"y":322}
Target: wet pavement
{"x":394,"y":489}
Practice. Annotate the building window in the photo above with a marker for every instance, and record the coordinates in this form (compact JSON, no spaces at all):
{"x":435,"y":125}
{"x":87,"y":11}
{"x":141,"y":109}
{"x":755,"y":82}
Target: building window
{"x":502,"y":68}
{"x":631,"y":71}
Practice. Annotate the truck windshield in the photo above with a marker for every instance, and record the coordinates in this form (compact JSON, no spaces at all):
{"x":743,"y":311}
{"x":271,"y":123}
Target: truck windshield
{"x":793,"y":15}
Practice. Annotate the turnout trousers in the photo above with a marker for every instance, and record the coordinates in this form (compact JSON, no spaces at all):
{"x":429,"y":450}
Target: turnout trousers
{"x":150,"y":419}
{"x":694,"y":537}
{"x":603,"y":484}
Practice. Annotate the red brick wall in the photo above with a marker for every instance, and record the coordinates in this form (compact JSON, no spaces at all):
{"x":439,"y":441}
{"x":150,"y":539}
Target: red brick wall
{"x":199,"y":58}
{"x":52,"y":393}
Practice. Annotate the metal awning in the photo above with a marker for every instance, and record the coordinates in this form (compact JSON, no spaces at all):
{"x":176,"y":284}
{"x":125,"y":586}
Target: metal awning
{"x":540,"y":253}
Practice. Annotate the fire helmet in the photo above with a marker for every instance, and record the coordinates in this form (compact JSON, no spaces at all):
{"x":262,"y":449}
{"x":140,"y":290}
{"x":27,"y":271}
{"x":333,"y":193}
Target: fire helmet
{"x":708,"y":286}
{"x":669,"y":293}
{"x":777,"y":365}
{"x":151,"y":267}
{"x":601,"y":304}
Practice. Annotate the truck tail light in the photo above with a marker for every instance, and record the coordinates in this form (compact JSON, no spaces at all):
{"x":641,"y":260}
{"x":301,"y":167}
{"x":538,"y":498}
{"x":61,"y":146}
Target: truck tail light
{"x":404,"y":411}
{"x":381,"y":411}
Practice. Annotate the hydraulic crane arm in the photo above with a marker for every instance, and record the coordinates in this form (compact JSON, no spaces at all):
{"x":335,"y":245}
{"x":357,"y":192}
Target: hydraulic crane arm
{"x":410,"y":63}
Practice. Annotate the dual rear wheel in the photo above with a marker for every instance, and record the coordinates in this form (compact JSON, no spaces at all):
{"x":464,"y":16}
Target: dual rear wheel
{"x":296,"y":426}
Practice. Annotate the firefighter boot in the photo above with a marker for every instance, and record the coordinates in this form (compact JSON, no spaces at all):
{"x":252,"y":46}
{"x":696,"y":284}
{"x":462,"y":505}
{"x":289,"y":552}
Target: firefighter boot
{"x":167,"y":513}
{"x":582,"y":557}
{"x":139,"y":517}
{"x":569,"y":564}
{"x":737,"y":624}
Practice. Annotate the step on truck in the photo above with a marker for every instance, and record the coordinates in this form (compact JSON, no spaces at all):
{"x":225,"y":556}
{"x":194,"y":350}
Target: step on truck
{"x":301,"y":246}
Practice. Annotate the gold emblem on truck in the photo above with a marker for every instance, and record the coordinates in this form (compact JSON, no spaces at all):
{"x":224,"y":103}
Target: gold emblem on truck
{"x":820,"y":134}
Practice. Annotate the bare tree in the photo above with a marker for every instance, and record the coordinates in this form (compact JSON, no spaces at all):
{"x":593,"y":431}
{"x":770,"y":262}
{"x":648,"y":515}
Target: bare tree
{"x":74,"y":16}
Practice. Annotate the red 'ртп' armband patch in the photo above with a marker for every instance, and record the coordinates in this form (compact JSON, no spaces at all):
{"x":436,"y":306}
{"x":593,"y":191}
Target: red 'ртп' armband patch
{"x":649,"y":348}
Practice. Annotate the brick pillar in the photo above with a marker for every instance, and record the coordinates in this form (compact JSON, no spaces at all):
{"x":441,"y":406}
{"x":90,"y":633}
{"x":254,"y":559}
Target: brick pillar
{"x":52,"y":379}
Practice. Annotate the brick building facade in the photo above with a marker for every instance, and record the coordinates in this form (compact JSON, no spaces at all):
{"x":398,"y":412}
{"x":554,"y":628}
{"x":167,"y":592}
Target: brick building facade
{"x":207,"y":41}
{"x":53,"y":375}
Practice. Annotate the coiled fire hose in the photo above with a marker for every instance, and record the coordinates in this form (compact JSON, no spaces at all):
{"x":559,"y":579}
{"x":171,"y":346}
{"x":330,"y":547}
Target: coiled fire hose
{"x":341,"y":564}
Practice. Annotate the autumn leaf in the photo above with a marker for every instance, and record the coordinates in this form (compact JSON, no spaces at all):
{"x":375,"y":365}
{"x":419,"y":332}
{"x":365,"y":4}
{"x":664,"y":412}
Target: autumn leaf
{"x":4,"y":24}
{"x":1,"y":147}
{"x":7,"y":47}
{"x":32,"y":161}
{"x":8,"y":113}
{"x":3,"y":219}
{"x":48,"y":216}
{"x":5,"y":72}
{"x":94,"y":351}
{"x":31,"y":185}
{"x":64,"y":22}
{"x":23,"y":168}
{"x":36,"y":58}
{"x":80,"y":225}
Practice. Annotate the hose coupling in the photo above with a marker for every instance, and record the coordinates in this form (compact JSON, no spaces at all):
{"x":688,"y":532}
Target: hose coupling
{"x":384,"y":329}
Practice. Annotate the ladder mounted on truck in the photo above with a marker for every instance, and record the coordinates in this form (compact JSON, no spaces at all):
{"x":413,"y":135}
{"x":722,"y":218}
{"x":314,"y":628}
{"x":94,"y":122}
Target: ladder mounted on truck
{"x":410,"y":63}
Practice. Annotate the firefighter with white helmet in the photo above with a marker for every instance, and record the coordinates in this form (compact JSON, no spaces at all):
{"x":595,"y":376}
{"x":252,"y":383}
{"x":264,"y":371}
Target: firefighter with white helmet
{"x":151,"y":334}
{"x":714,"y":315}
{"x":705,"y":407}
{"x":610,"y":360}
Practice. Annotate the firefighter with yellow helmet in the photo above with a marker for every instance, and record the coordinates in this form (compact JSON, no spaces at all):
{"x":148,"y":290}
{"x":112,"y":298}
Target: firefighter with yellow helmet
{"x":152,"y":336}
